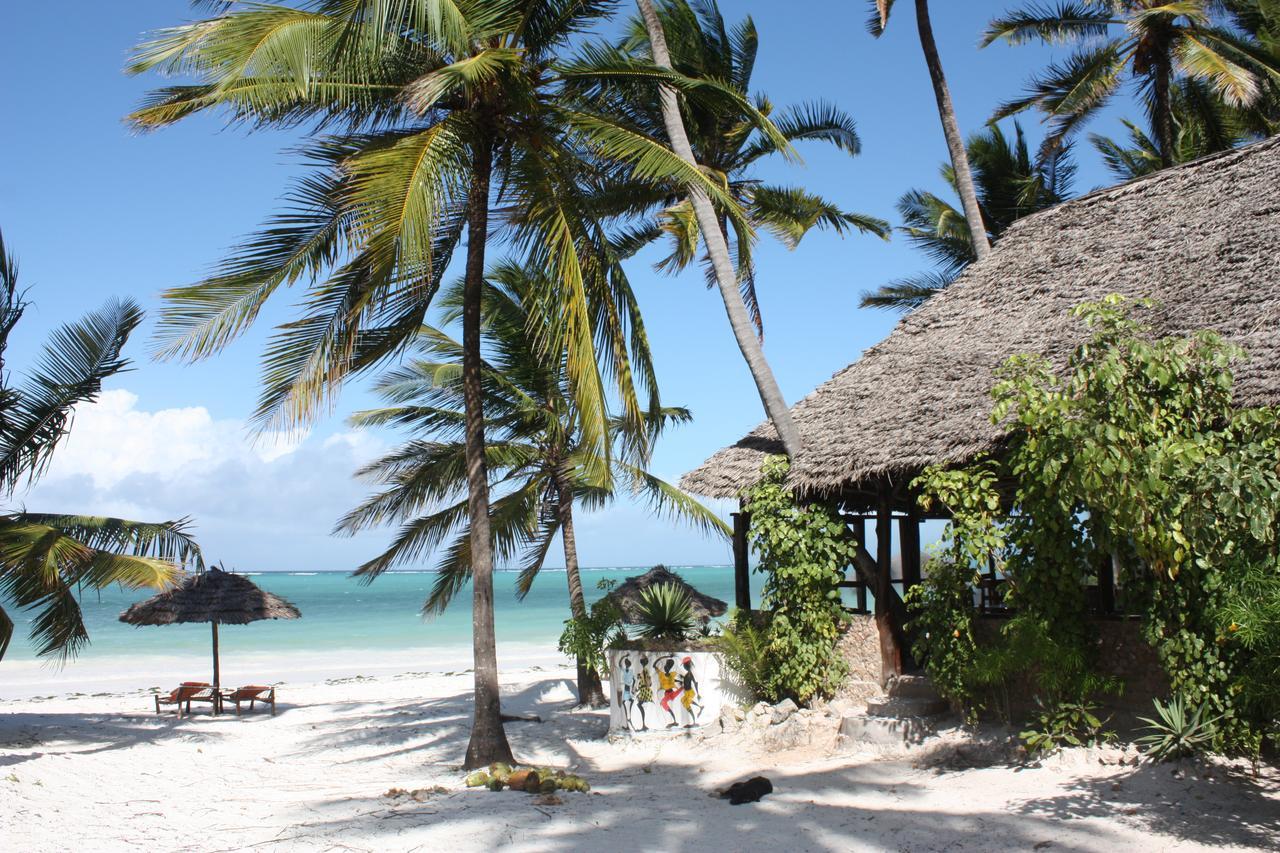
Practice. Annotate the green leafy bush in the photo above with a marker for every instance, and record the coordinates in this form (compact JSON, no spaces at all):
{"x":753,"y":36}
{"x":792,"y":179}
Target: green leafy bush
{"x":1136,"y":454}
{"x":803,"y":549}
{"x":744,"y":646}
{"x":1065,"y":724}
{"x":1178,"y":731}
{"x":586,"y":639}
{"x":665,"y":613}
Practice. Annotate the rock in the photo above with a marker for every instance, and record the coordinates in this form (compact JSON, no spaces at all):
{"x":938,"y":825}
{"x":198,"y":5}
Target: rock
{"x":885,"y":731}
{"x":903,"y":707}
{"x":787,"y":735}
{"x":729,"y":721}
{"x":782,"y":711}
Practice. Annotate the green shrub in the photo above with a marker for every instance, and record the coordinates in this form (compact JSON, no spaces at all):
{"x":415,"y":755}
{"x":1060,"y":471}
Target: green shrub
{"x":665,"y":613}
{"x":1065,"y":724}
{"x":1136,"y":453}
{"x":1179,"y":730}
{"x":744,"y":647}
{"x":803,"y":549}
{"x":586,"y":639}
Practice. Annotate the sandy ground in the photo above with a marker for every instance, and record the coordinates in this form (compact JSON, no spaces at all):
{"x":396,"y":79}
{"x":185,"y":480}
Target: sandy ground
{"x":91,"y":773}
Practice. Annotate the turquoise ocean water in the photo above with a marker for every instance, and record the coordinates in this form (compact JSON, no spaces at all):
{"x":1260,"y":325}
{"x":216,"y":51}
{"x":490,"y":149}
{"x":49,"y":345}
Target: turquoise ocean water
{"x":341,"y":614}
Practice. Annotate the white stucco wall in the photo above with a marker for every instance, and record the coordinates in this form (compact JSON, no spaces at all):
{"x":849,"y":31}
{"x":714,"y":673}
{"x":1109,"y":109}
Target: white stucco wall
{"x":629,"y":669}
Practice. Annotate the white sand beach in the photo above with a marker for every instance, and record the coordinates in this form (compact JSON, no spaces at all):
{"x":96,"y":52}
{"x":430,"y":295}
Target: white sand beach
{"x":101,"y":772}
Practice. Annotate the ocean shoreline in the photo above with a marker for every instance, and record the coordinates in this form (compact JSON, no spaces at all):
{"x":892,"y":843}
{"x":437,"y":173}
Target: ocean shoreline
{"x":121,"y":676}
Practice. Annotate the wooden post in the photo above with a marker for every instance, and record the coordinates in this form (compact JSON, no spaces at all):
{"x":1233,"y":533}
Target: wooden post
{"x":1107,"y":572}
{"x":860,"y":535}
{"x":216,"y":679}
{"x":909,"y":537}
{"x":890,"y":642}
{"x":741,"y":560}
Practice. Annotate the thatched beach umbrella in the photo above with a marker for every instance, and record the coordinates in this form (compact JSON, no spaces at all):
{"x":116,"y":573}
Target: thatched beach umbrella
{"x":213,"y":596}
{"x":627,"y":594}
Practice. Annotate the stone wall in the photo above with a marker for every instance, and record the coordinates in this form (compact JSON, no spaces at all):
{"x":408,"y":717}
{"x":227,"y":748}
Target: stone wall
{"x":1122,"y":651}
{"x":860,"y":647}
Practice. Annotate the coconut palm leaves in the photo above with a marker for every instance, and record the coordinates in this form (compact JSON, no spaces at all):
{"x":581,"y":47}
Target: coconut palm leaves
{"x":726,"y":143}
{"x":412,"y":90}
{"x":439,"y":113}
{"x":538,"y":463}
{"x":1010,"y":185}
{"x":45,"y":559}
{"x":1157,"y":44}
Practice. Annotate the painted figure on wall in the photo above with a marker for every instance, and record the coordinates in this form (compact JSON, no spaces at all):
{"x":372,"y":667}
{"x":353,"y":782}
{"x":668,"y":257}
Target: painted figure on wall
{"x":667,"y":683}
{"x":626,"y":698}
{"x":643,"y":692}
{"x":689,"y":693}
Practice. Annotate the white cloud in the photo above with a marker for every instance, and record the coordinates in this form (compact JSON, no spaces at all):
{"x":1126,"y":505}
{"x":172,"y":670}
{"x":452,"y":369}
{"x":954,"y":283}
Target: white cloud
{"x":268,"y":502}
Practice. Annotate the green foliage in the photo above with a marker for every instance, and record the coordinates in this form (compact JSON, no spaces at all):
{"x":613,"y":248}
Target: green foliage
{"x":535,"y":446}
{"x":1010,"y":183}
{"x":744,"y":646}
{"x":1065,"y":724}
{"x":943,"y":611}
{"x":1136,"y":453}
{"x":803,"y":549}
{"x":1180,"y":730}
{"x":585,"y":639}
{"x":46,"y":559}
{"x":665,"y":612}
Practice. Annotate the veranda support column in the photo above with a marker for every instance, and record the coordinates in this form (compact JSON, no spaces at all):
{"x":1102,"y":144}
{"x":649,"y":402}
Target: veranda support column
{"x":890,"y":644}
{"x":909,"y":537}
{"x":741,"y":560}
{"x":216,"y":678}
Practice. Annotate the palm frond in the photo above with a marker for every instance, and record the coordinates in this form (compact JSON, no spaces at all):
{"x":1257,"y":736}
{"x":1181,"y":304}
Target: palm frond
{"x":70,"y":370}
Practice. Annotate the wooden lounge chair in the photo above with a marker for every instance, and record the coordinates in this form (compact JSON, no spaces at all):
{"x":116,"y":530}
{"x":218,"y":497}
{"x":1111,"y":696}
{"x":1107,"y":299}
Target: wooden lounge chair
{"x":252,"y":694}
{"x":186,"y":693}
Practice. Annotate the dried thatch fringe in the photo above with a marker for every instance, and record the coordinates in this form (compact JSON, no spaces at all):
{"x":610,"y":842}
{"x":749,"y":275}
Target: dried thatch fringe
{"x":1203,"y":239}
{"x":211,"y":596}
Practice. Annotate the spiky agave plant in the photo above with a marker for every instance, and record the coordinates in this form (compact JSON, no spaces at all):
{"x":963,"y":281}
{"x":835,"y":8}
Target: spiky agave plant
{"x":1179,"y":730}
{"x":665,"y":612}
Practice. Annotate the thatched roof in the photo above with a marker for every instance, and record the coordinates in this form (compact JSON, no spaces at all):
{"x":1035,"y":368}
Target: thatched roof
{"x":627,"y":594}
{"x":1203,"y":239}
{"x":210,"y":596}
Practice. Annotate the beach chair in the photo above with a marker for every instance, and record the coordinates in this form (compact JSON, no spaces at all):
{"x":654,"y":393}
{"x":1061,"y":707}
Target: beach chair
{"x":186,"y":693}
{"x":252,"y":694}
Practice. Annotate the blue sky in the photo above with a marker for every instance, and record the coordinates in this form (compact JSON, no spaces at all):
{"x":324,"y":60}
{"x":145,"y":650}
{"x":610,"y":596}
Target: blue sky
{"x":93,"y":210}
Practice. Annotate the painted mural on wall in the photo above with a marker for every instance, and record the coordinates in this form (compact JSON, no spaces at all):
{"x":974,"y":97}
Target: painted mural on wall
{"x":663,"y":691}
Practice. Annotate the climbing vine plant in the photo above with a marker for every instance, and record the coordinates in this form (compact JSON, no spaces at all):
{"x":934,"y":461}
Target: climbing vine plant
{"x":1135,"y":454}
{"x":803,"y":548}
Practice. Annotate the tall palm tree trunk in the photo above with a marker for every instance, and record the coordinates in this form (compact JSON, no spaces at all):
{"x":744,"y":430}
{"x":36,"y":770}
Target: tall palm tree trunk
{"x":1163,"y":118}
{"x":488,"y":739}
{"x":718,"y":250}
{"x":951,"y":130}
{"x":590,"y":690}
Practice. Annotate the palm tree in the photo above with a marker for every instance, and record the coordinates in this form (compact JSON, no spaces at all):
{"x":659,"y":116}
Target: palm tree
{"x":1162,"y":45}
{"x":775,"y":405}
{"x":438,"y":114}
{"x":539,"y":465}
{"x":724,"y":143}
{"x":47,"y":558}
{"x":1011,"y":184}
{"x":964,"y":182}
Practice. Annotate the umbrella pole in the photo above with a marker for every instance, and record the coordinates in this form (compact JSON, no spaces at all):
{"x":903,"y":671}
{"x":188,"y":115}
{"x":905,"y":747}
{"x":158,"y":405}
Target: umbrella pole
{"x":216,"y":683}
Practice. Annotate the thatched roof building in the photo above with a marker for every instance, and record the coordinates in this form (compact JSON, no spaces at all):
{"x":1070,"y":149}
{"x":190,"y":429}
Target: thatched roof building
{"x":1203,"y":239}
{"x":211,"y":596}
{"x":629,"y":593}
